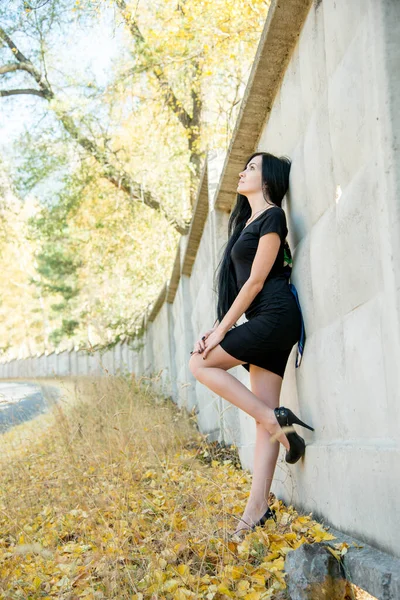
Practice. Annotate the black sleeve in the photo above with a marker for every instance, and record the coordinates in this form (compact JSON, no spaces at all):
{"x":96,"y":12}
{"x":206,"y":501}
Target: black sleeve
{"x":274,"y":221}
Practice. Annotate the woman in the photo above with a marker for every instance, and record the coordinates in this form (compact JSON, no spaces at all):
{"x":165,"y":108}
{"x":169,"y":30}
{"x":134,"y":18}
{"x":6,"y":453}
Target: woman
{"x":253,"y":278}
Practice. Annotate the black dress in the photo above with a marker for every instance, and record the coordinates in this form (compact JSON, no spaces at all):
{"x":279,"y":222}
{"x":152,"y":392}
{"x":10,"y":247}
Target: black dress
{"x":274,"y":317}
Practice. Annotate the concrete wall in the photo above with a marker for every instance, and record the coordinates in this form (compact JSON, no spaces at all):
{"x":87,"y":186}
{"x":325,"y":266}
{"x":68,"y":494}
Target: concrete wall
{"x":324,"y":90}
{"x":343,"y":213}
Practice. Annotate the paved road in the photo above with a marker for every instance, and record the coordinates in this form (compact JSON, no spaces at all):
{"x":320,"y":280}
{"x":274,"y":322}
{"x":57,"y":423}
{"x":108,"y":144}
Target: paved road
{"x":21,"y":401}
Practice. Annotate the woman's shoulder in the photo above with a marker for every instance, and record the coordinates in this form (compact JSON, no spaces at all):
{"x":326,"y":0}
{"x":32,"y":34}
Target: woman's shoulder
{"x":274,"y":211}
{"x":274,"y":221}
{"x":274,"y":208}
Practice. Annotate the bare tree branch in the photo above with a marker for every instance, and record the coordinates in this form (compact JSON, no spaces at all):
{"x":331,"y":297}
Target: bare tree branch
{"x":27,"y":66}
{"x":117,"y":177}
{"x":9,"y":68}
{"x":18,"y":54}
{"x":32,"y":92}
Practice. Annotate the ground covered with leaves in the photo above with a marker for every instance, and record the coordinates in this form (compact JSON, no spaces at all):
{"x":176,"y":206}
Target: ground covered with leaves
{"x":115,"y":494}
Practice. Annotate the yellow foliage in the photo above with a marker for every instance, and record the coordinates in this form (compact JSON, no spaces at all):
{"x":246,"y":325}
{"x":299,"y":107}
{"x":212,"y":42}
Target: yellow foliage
{"x":80,"y":513}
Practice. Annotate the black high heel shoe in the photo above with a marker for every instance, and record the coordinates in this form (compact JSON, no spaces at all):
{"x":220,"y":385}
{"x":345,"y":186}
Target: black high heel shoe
{"x":286,"y":418}
{"x":269,"y":514}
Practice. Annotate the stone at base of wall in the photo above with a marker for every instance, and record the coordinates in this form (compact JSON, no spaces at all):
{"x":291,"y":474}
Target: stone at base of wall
{"x":313,"y":573}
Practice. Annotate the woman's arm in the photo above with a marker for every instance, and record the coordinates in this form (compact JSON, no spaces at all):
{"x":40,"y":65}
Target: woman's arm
{"x":245,"y":297}
{"x":267,"y":251}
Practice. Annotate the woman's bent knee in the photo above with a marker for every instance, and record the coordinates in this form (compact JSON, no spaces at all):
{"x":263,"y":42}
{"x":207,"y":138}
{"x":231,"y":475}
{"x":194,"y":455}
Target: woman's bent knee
{"x":194,"y":364}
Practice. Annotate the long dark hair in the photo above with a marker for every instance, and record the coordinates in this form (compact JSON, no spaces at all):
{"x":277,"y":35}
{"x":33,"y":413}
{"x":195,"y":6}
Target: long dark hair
{"x":275,"y":182}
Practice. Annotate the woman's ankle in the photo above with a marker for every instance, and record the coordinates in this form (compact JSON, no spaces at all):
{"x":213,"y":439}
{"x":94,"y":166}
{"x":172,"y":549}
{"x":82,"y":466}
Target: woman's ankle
{"x":276,"y":432}
{"x":254,"y":511}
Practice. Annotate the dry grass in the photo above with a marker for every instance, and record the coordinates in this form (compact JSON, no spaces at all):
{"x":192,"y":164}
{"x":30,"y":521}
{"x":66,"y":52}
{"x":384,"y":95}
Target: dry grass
{"x":106,"y":497}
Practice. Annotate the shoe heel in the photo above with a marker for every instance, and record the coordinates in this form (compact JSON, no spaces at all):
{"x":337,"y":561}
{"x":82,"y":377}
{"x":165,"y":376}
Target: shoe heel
{"x":298,"y":422}
{"x":286,"y":417}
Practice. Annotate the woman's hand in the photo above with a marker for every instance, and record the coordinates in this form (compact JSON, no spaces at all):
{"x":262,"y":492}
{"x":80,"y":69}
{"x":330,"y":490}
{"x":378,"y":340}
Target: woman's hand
{"x":213,"y":340}
{"x":200,"y":344}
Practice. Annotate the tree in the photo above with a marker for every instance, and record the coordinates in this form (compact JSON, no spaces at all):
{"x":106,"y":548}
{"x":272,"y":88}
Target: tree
{"x":117,"y":176}
{"x":106,"y":162}
{"x":183,"y":44}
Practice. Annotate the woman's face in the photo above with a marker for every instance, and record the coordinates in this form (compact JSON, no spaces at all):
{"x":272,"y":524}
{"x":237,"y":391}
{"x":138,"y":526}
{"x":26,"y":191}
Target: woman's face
{"x":250,"y":179}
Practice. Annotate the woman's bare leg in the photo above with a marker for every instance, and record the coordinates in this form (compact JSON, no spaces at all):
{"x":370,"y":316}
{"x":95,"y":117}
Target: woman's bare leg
{"x":212,"y":373}
{"x":267,"y":386}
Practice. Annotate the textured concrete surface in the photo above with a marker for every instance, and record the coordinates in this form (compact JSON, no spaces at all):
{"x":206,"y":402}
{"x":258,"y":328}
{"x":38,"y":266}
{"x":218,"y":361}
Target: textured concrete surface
{"x":334,"y":116}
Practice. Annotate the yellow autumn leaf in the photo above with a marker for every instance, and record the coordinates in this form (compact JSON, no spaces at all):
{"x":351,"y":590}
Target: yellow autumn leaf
{"x":183,"y":569}
{"x":243,"y":585}
{"x":183,"y":594}
{"x":233,"y":571}
{"x":223,"y":589}
{"x":280,"y":579}
{"x":257,"y":579}
{"x":171,"y":585}
{"x":253,"y":596}
{"x":273,"y":555}
{"x":297,"y":543}
{"x":320,"y":534}
{"x":159,"y":575}
{"x":290,"y":536}
{"x":279,"y":563}
{"x":223,"y":27}
{"x":335,"y":553}
{"x":343,"y":548}
{"x":303,"y":519}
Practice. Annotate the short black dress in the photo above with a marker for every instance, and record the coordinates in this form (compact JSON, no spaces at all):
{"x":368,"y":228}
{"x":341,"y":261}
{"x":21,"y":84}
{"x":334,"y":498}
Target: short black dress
{"x":274,"y":317}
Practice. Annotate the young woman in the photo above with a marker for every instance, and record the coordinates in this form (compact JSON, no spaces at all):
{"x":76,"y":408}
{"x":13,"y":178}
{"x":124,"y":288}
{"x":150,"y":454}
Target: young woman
{"x":253,"y":278}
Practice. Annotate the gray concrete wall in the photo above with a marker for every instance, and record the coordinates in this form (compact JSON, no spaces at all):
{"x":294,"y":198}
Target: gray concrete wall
{"x":161,"y":361}
{"x":324,"y":90}
{"x":341,"y":207}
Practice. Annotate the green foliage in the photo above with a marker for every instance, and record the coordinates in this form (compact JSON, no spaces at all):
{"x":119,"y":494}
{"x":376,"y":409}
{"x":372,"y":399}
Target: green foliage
{"x":57,"y":274}
{"x":40,"y":159}
{"x":67,"y":329}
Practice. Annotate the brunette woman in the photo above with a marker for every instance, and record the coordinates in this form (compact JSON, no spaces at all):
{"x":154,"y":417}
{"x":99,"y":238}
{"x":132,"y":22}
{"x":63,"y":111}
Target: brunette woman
{"x":253,"y":279}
